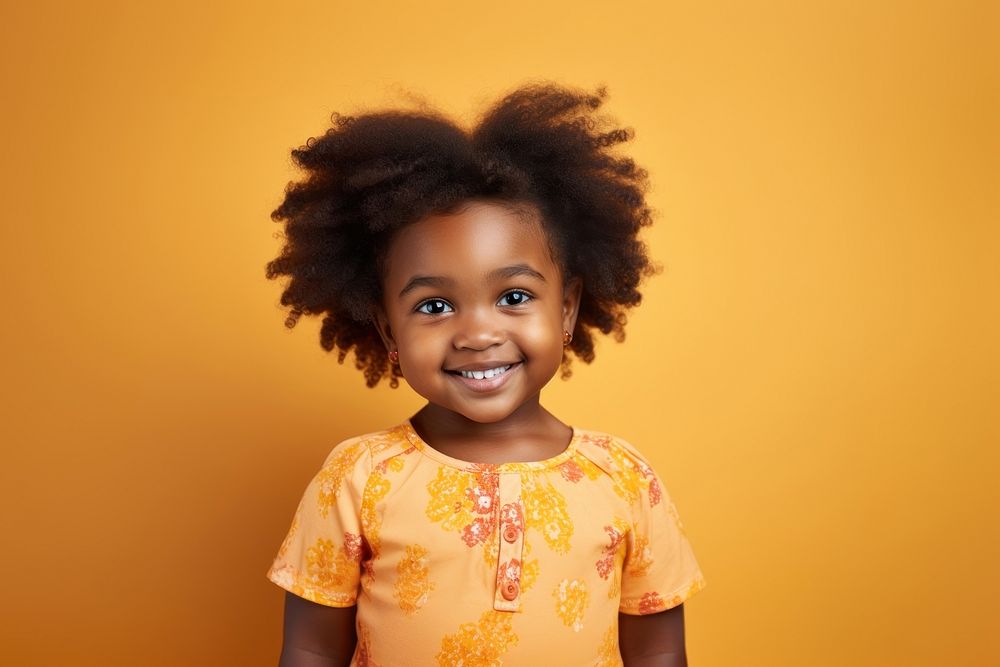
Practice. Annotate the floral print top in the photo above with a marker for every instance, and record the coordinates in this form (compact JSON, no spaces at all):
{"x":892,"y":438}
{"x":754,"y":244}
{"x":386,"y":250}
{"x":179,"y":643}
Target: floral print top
{"x":451,"y":562}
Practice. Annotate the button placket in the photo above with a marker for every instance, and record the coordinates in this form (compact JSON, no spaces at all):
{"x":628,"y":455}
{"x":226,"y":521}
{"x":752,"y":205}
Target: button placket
{"x":511,"y":540}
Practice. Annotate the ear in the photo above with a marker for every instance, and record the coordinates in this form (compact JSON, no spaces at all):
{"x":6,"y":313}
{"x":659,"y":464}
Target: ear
{"x":572,"y":290}
{"x":384,"y":331}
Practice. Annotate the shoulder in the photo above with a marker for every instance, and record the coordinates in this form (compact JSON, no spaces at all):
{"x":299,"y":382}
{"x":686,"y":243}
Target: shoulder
{"x":369,"y":448}
{"x":611,"y":451}
{"x":623,"y":462}
{"x":353,"y":460}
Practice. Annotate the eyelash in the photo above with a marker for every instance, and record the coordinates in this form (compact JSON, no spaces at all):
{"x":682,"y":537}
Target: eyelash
{"x":526,"y":295}
{"x":423,"y":304}
{"x":420,"y":307}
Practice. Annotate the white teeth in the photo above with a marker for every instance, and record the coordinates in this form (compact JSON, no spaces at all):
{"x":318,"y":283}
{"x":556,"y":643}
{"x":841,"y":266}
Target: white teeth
{"x":490,"y":373}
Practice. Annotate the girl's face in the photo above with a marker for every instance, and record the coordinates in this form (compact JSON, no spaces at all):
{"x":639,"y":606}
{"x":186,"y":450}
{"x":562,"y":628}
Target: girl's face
{"x":476,"y":307}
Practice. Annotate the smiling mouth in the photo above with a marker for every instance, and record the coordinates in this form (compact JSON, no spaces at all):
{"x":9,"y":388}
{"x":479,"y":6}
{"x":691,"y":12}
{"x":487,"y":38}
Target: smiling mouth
{"x":483,"y":374}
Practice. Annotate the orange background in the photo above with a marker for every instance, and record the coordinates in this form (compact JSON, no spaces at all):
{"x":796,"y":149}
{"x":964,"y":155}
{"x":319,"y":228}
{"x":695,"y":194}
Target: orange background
{"x":815,"y":372}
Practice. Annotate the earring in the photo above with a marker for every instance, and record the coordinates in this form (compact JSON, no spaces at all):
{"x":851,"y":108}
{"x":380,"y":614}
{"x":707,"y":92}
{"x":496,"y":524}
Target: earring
{"x":394,"y":356}
{"x":567,"y":338}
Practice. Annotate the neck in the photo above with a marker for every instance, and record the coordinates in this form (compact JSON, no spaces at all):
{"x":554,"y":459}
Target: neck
{"x":440,"y":426}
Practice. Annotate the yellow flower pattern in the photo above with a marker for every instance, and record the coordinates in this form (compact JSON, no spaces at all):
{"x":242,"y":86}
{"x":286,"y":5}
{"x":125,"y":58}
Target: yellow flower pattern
{"x":642,"y":557}
{"x":378,"y":486}
{"x":413,"y":585}
{"x":332,"y":475}
{"x":609,"y":654}
{"x":545,"y":511}
{"x":465,"y":501}
{"x":328,"y":566}
{"x":571,"y":602}
{"x":632,"y":476}
{"x":530,"y":569}
{"x":479,"y":644}
{"x":503,"y":557}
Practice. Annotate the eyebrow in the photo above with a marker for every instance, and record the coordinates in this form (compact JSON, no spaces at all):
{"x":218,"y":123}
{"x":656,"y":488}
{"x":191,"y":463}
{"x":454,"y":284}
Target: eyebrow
{"x":514,"y":271}
{"x":428,"y":281}
{"x":503,"y":273}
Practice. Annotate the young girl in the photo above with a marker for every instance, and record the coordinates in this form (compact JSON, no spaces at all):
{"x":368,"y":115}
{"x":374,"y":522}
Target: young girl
{"x":482,"y":530}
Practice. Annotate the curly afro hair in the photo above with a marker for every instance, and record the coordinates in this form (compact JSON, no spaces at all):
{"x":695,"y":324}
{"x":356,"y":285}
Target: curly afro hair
{"x":372,"y":174}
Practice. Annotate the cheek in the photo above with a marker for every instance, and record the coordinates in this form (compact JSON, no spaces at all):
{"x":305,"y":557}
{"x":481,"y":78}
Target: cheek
{"x":420,"y":368}
{"x":543,"y":334}
{"x":422,"y":337}
{"x":419,"y":349}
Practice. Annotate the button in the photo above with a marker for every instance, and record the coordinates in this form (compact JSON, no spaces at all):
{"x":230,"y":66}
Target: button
{"x":510,"y":534}
{"x":510,"y":590}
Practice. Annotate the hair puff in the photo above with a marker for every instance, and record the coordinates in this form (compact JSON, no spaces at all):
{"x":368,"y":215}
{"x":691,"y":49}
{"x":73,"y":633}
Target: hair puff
{"x":372,"y":174}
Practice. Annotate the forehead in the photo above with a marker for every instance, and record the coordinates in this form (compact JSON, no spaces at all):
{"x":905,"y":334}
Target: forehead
{"x":469,"y":243}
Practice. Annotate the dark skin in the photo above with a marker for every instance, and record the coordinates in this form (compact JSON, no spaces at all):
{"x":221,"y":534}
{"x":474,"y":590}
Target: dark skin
{"x":653,"y":640}
{"x":319,"y":636}
{"x":474,"y":290}
{"x":316,"y":635}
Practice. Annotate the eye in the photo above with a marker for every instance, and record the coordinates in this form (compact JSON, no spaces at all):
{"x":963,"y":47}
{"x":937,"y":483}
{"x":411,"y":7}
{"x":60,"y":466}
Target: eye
{"x":515,"y":298}
{"x":434,"y":307}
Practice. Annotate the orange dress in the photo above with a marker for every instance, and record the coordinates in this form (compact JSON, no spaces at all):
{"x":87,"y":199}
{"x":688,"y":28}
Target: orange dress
{"x":451,"y":562}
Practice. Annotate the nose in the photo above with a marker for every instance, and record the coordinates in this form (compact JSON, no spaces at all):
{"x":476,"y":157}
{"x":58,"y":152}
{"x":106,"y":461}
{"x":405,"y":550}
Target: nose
{"x":478,"y":330}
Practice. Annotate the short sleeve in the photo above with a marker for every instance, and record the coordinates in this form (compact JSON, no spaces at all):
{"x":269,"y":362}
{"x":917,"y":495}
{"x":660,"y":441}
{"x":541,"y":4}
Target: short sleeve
{"x":320,"y":557}
{"x":660,"y":570}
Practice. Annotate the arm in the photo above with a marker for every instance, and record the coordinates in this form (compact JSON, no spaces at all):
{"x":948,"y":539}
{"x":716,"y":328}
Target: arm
{"x":316,"y":635}
{"x":653,"y":640}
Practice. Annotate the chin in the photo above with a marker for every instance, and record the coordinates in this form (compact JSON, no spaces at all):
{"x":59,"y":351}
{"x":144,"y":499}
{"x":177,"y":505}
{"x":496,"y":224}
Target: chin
{"x":486,"y":417}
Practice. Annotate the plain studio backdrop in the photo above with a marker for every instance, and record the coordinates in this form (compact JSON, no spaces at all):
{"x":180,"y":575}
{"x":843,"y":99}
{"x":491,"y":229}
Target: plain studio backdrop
{"x":814,"y":373}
